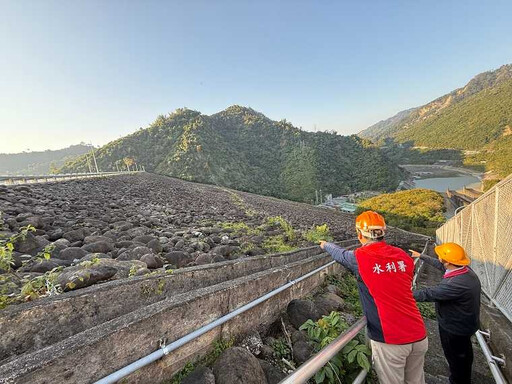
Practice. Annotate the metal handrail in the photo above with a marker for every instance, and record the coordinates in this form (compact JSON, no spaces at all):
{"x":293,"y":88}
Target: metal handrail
{"x":315,"y":363}
{"x":166,"y":349}
{"x":31,"y":179}
{"x":492,"y":361}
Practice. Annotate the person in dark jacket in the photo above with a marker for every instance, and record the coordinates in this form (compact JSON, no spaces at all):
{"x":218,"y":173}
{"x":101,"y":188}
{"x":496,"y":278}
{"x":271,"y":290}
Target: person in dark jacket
{"x":384,"y":275}
{"x":457,"y":300}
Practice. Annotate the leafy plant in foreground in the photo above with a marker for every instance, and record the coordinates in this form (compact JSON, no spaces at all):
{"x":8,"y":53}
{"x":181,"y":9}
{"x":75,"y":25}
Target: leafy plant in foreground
{"x":346,"y":364}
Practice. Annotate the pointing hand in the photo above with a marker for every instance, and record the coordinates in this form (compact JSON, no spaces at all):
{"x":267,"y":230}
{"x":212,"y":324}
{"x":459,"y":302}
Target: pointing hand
{"x":322,"y":244}
{"x":414,"y":253}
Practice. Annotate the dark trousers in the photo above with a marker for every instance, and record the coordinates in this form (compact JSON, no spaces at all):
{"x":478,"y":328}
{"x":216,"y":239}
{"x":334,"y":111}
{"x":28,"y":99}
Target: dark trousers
{"x":459,"y":353}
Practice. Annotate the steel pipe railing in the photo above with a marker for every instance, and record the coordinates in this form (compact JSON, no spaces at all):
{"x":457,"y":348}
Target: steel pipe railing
{"x":33,"y":179}
{"x":492,"y":361}
{"x":314,"y":364}
{"x":164,"y":350}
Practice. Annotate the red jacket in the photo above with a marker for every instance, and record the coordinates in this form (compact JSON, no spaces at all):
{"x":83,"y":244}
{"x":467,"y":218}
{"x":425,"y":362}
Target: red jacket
{"x":384,"y":274}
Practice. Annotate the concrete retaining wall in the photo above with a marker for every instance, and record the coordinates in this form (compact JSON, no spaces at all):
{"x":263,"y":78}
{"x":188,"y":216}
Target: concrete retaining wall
{"x":31,"y":326}
{"x":96,"y":352}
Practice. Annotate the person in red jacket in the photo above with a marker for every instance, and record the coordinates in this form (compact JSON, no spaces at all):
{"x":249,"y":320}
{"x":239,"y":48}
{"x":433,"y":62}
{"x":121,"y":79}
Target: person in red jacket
{"x":395,"y":327}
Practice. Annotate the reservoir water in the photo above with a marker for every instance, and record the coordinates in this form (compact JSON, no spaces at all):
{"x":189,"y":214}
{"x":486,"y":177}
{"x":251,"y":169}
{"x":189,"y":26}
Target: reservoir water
{"x":441,"y":184}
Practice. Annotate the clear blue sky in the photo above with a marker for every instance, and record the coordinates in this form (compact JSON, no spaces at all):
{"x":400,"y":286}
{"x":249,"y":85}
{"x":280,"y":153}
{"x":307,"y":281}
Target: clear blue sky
{"x":93,"y":71}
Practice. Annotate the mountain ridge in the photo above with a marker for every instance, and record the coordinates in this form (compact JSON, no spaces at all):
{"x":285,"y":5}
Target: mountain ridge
{"x":243,"y":149}
{"x":474,"y":120}
{"x":387,"y":128}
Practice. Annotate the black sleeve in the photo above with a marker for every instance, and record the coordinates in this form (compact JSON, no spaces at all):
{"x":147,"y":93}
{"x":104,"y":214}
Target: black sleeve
{"x":433,"y":262}
{"x":442,"y":292}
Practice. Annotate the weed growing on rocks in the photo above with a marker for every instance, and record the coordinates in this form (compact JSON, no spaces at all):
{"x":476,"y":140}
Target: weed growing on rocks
{"x":346,"y":364}
{"x":19,"y":288}
{"x":219,"y":346}
{"x":276,"y":244}
{"x":240,"y":228}
{"x":349,"y":292}
{"x":317,"y":233}
{"x":285,"y":226}
{"x":427,"y":310}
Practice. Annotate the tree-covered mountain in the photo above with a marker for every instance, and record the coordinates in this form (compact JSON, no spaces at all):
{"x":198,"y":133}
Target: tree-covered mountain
{"x":39,"y":163}
{"x":477,"y":117}
{"x":243,"y":149}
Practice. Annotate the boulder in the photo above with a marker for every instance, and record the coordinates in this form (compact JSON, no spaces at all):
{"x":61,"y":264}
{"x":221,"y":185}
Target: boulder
{"x":237,"y":365}
{"x":72,"y":253}
{"x":98,"y":247}
{"x":155,"y":245}
{"x":179,"y":244}
{"x":267,"y":352}
{"x":35,"y":221}
{"x":62,"y":243}
{"x":299,"y":311}
{"x":223,"y":250}
{"x":56,"y":234}
{"x":200,"y":375}
{"x":302,"y":351}
{"x":144,"y":238}
{"x":152,"y":261}
{"x":75,"y":235}
{"x":124,"y":244}
{"x":203,"y":259}
{"x":299,"y":336}
{"x":42,"y":266}
{"x":92,"y":256}
{"x":177,"y":258}
{"x":31,"y":244}
{"x":81,"y":276}
{"x":139,"y":231}
{"x":331,"y":288}
{"x":218,"y":259}
{"x":256,"y":251}
{"x":134,"y":254}
{"x":122,"y":226}
{"x":95,"y":239}
{"x":328,"y":302}
{"x":273,"y":374}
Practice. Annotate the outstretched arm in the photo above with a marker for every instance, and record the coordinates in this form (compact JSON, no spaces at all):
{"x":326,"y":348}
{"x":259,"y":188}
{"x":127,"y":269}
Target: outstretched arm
{"x":442,"y":292}
{"x":429,"y":260}
{"x":341,"y":255}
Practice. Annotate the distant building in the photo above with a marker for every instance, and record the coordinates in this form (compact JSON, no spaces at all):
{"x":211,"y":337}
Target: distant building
{"x":348,"y":207}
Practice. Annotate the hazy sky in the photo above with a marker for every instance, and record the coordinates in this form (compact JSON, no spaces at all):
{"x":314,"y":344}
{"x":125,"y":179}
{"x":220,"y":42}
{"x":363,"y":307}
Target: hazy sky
{"x":93,"y":71}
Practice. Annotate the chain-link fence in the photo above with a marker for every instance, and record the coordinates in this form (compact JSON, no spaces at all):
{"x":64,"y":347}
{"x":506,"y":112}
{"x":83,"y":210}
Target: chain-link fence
{"x":484,"y":229}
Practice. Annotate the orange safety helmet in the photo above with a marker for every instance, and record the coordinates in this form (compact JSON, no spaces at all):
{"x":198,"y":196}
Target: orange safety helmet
{"x":452,"y":253}
{"x":370,"y":224}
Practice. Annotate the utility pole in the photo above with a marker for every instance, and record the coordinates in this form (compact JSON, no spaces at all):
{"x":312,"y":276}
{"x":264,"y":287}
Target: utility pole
{"x":316,"y":197}
{"x":88,"y":163}
{"x":117,"y":166}
{"x":95,"y":163}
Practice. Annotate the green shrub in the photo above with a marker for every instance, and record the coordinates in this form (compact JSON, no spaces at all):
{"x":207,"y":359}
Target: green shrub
{"x":318,"y":233}
{"x":346,"y":364}
{"x":276,"y":244}
{"x":349,"y":292}
{"x":284,"y":224}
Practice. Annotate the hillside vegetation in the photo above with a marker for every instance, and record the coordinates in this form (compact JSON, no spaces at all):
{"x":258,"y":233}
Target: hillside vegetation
{"x":39,"y":163}
{"x":242,"y":149}
{"x":477,"y":117}
{"x":417,"y":210}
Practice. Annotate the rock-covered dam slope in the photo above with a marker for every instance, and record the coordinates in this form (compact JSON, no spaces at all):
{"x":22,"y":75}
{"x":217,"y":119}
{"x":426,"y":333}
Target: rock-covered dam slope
{"x":132,"y":225}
